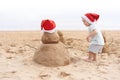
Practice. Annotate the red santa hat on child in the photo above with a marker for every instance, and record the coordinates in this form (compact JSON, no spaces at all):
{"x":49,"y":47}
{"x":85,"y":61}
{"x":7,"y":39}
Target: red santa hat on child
{"x":48,"y":26}
{"x":91,"y":17}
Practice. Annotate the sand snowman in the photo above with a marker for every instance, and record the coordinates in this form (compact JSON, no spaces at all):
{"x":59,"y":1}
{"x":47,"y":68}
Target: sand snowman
{"x":52,"y":51}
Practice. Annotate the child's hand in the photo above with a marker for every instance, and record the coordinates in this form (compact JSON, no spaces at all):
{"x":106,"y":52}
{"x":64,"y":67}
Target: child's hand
{"x":88,"y":39}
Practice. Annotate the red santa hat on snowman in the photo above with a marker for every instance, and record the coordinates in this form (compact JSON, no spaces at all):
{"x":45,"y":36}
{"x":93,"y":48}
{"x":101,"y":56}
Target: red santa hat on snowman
{"x":91,"y":17}
{"x":48,"y":26}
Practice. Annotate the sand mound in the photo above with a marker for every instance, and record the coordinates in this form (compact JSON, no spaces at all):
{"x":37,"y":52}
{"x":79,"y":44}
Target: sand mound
{"x":52,"y":55}
{"x":61,"y":36}
{"x":107,"y":47}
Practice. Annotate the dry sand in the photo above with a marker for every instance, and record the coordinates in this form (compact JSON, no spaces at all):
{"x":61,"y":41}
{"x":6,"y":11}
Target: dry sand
{"x":17,"y":49}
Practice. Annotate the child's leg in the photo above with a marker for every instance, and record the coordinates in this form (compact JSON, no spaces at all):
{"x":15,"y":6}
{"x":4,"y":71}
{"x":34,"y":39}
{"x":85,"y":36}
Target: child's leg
{"x":90,"y":54}
{"x":94,"y":57}
{"x":89,"y":59}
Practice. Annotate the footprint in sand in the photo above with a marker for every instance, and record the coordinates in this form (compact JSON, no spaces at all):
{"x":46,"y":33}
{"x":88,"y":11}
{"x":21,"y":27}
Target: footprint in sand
{"x":69,"y":41}
{"x":15,"y":50}
{"x":9,"y":50}
{"x":9,"y":76}
{"x":12,"y":45}
{"x":43,"y":76}
{"x":0,"y":44}
{"x":64,"y":74}
{"x":75,"y":59}
{"x":10,"y":57}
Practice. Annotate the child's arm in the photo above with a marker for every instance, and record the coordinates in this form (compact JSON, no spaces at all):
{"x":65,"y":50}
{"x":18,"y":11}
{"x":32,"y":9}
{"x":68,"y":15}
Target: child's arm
{"x":92,"y":34}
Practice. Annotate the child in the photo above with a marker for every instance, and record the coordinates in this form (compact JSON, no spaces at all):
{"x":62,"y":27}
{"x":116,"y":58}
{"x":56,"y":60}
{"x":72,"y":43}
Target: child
{"x":95,"y":36}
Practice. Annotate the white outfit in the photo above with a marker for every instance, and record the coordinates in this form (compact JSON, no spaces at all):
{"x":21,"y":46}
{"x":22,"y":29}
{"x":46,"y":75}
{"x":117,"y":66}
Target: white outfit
{"x":97,"y":41}
{"x":98,"y":38}
{"x":95,"y":48}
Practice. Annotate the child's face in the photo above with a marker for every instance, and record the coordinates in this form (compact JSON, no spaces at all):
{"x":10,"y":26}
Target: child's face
{"x":85,"y":22}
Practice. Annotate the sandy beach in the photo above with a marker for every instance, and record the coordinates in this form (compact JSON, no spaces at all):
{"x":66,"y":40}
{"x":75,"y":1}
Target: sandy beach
{"x":18,"y":47}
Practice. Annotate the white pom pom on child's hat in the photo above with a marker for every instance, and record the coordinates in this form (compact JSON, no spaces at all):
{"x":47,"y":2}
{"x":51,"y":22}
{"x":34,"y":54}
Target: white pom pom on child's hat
{"x":91,"y":17}
{"x":48,"y":26}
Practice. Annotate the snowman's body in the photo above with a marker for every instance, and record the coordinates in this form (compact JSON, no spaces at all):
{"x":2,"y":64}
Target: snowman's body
{"x":52,"y":52}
